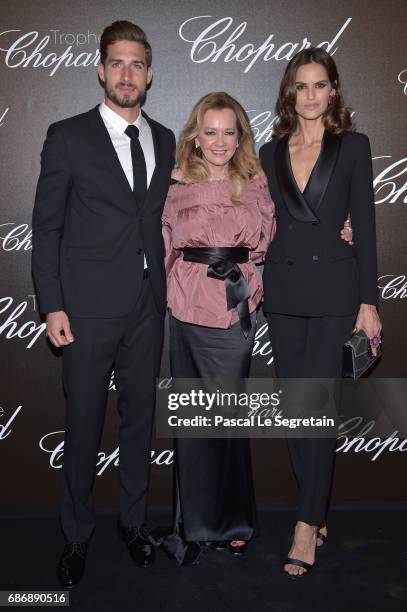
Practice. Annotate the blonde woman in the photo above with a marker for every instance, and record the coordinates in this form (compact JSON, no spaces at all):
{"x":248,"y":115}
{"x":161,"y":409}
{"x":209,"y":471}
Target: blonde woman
{"x":218,"y":222}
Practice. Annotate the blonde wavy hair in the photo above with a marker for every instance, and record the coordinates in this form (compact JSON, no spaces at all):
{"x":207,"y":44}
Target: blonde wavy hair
{"x":244,"y":164}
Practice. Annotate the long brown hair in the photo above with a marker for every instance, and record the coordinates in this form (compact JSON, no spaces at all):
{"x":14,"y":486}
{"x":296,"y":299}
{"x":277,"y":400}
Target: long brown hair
{"x":244,"y":164}
{"x":336,"y":118}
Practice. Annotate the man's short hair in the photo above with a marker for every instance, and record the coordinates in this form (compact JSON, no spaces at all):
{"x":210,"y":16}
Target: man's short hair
{"x":124,"y":30}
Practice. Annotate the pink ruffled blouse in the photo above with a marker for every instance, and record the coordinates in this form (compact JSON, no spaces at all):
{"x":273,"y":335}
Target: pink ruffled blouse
{"x":201,"y":215}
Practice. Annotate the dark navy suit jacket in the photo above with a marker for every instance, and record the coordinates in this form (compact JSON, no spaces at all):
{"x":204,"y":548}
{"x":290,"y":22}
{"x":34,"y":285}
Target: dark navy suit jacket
{"x":89,"y":232}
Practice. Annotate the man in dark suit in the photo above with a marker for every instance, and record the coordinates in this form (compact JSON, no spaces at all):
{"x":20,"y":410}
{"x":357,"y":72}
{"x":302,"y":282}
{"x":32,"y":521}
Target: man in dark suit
{"x":99,"y":274}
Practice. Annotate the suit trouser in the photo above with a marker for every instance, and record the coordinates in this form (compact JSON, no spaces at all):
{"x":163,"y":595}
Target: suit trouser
{"x":310,"y":347}
{"x":132,"y":346}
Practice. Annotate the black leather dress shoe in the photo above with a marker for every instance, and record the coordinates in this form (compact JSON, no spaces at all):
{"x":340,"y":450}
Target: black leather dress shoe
{"x":140,"y":549}
{"x":72,"y":564}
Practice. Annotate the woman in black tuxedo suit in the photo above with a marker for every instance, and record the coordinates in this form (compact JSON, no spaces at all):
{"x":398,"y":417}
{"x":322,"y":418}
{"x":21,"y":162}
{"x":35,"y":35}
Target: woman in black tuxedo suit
{"x":317,"y":288}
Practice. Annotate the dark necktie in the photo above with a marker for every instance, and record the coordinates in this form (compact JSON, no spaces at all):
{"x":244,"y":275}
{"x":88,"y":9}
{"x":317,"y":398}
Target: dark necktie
{"x":139,"y":164}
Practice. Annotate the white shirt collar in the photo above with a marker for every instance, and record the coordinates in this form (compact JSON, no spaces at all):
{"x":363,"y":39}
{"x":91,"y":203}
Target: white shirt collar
{"x":115,"y":121}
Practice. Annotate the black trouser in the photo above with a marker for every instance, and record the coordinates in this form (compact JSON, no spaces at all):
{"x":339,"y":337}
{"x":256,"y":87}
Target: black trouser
{"x":132,"y":346}
{"x":310,"y":347}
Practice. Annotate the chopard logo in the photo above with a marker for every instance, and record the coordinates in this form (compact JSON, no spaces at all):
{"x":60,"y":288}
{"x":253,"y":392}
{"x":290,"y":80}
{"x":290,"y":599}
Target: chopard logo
{"x":212,"y":40}
{"x":53,"y":444}
{"x":5,"y":428}
{"x":262,"y":124}
{"x":12,"y":326}
{"x":393,"y":287}
{"x":402,"y":78}
{"x":29,"y":50}
{"x":3,"y":116}
{"x":15,"y":237}
{"x":361,"y":442}
{"x":262,"y":345}
{"x":385,"y":182}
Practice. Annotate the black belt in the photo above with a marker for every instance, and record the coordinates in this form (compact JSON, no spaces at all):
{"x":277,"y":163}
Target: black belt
{"x":222,"y":264}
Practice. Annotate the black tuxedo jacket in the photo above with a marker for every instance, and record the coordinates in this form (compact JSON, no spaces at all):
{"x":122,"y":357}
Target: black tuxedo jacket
{"x":89,"y":233}
{"x":309,"y":269}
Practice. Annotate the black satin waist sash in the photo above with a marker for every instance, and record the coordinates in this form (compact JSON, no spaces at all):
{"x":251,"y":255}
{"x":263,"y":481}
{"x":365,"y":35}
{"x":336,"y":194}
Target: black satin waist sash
{"x":222,"y":265}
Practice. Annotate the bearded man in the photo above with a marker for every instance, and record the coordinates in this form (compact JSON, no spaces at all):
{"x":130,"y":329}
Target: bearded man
{"x":99,"y":274}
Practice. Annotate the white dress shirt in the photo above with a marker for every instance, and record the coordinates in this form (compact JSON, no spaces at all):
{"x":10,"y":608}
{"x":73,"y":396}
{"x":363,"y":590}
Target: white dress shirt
{"x":116,"y":127}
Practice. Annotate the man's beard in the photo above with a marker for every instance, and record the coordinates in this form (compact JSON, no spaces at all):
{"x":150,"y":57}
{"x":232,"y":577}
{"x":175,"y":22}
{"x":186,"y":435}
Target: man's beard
{"x":125,"y":100}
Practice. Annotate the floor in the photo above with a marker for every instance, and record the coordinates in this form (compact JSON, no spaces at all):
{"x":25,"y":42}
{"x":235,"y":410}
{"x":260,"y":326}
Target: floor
{"x":363,"y":568}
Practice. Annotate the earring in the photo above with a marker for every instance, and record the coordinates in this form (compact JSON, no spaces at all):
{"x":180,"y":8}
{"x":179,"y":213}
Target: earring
{"x":332,"y":99}
{"x":196,"y":145}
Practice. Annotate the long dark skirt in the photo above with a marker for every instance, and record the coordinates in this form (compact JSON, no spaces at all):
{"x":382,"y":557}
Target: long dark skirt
{"x":214,"y":495}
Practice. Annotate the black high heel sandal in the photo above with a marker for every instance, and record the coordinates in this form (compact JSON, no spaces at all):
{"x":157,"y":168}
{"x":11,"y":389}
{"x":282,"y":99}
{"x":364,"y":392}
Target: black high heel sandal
{"x":307,"y":566}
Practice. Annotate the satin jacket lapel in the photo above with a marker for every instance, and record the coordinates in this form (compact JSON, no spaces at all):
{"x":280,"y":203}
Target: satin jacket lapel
{"x":104,"y":144}
{"x":295,"y":201}
{"x":322,"y":172}
{"x":158,"y":154}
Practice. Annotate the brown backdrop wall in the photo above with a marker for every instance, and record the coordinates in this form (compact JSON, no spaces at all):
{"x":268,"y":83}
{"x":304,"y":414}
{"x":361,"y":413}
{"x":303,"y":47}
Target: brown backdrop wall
{"x":48,"y":53}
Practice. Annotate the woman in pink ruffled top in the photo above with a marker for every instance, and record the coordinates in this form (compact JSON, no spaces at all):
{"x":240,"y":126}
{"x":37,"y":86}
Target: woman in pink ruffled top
{"x":218,"y":221}
{"x":203,"y":214}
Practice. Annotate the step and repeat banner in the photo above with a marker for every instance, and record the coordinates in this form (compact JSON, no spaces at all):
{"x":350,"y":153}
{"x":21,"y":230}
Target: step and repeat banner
{"x":48,"y":59}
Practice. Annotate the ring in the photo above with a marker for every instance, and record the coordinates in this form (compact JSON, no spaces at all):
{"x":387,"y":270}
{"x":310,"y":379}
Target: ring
{"x":375,"y":341}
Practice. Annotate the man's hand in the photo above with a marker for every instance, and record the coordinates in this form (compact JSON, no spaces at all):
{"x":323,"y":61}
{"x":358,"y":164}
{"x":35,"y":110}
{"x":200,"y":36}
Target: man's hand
{"x":369,"y":321}
{"x":58,"y":328}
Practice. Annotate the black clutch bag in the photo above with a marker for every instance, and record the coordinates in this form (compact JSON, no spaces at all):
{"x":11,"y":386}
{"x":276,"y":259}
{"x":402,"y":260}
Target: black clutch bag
{"x":358,"y":356}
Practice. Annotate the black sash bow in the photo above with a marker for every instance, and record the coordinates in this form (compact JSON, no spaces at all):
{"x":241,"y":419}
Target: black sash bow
{"x":222,"y":264}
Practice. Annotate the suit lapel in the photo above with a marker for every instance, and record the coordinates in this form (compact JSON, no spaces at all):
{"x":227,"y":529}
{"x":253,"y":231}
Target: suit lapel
{"x":158,"y":154}
{"x":294,"y":200}
{"x":322,"y":171}
{"x":102,"y":141}
{"x":303,"y":206}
